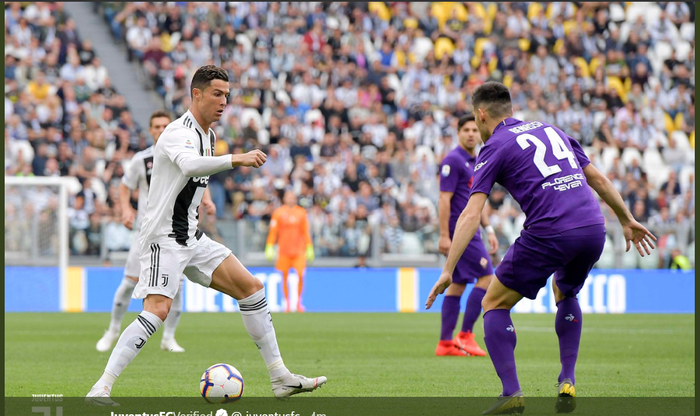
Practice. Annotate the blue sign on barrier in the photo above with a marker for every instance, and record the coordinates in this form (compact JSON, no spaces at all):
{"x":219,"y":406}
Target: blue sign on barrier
{"x":38,"y":289}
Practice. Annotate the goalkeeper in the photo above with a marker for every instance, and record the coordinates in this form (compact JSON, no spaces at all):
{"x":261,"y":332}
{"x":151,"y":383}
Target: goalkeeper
{"x":289,"y":228}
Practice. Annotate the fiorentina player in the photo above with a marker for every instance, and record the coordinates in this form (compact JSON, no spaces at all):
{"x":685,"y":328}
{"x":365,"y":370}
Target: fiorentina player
{"x":171,"y":243}
{"x":456,"y":176}
{"x":548,"y":173}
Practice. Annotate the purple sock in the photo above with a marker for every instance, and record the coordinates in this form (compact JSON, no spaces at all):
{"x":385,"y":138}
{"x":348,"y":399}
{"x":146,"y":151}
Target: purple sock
{"x":471,"y":314}
{"x":450,"y":313}
{"x":500,"y":340}
{"x":568,"y":324}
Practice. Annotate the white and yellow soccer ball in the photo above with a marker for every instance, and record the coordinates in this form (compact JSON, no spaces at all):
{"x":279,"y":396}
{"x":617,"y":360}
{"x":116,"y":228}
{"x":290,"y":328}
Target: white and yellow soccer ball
{"x":221,"y":383}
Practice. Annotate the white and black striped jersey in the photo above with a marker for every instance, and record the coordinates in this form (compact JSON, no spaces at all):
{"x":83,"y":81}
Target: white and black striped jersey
{"x":138,"y":175}
{"x":182,"y":162}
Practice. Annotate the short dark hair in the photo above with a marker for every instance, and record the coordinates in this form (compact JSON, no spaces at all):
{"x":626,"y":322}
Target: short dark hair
{"x":493,"y":97}
{"x":158,"y":114}
{"x":204,"y":75}
{"x":464,"y":120}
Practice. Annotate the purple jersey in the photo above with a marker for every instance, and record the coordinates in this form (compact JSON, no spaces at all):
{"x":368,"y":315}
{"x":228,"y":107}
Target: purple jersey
{"x":542,"y":168}
{"x":456,"y":176}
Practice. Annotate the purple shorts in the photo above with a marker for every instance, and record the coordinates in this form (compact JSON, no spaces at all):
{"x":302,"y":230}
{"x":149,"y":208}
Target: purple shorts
{"x":474,"y":263}
{"x":570,"y":255}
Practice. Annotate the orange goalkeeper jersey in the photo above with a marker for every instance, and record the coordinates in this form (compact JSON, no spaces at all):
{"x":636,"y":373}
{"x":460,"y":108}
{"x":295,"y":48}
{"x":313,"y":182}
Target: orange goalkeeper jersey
{"x":289,"y":228}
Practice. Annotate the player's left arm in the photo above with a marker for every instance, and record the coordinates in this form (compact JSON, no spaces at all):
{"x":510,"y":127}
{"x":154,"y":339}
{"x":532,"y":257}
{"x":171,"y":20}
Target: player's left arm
{"x":209,"y":206}
{"x":490,"y":232}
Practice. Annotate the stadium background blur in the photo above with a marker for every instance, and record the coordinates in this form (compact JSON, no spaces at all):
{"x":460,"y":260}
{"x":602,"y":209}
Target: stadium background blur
{"x":355,"y":105}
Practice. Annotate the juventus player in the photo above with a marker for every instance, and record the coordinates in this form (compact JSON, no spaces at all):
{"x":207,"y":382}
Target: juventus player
{"x":171,"y":243}
{"x":138,"y":176}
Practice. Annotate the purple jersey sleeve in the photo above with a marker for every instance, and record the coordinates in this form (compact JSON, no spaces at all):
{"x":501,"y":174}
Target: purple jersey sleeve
{"x":449,"y":175}
{"x":583,"y":160}
{"x":487,"y":170}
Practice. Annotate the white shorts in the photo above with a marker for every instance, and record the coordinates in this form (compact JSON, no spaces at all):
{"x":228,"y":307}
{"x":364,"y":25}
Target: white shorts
{"x":133,"y":264}
{"x":163,"y":263}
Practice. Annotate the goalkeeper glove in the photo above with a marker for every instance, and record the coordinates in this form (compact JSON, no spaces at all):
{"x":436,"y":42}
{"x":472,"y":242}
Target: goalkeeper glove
{"x":270,"y":252}
{"x":310,"y":253}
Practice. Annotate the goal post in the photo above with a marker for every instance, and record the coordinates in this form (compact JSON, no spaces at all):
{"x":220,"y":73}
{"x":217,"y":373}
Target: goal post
{"x":36,"y":223}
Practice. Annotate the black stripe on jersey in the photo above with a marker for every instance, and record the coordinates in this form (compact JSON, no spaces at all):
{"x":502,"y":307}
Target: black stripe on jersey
{"x":183,"y":201}
{"x":155,"y":280}
{"x":212,"y":139}
{"x":148,"y":164}
{"x":201,"y":143}
{"x":153,"y":261}
{"x":186,"y":121}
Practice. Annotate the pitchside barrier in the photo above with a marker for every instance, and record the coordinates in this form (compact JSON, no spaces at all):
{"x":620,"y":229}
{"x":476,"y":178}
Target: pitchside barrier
{"x":91,"y":289}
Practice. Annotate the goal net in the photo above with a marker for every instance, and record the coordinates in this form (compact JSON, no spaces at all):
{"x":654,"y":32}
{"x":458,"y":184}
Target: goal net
{"x":36,"y":222}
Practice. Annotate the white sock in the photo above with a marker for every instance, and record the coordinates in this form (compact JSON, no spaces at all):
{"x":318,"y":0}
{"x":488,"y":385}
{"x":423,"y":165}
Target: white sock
{"x":173,"y":318}
{"x":122,"y":298}
{"x":258,"y":322}
{"x":131,"y":341}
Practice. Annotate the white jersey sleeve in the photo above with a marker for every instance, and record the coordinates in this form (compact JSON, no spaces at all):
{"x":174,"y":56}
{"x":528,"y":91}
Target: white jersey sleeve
{"x":132,"y":174}
{"x":181,"y":148}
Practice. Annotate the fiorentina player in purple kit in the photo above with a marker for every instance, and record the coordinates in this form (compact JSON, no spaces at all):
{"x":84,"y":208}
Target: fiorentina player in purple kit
{"x":456,"y":176}
{"x":548,"y":173}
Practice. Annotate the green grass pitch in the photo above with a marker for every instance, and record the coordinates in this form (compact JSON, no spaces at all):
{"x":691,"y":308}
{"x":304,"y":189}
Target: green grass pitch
{"x":363,"y":355}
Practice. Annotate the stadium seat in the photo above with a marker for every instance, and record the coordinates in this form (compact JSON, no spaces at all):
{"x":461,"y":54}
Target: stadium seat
{"x":630,"y":153}
{"x":630,"y":259}
{"x":507,"y":80}
{"x":649,"y":11}
{"x":411,"y":244}
{"x":443,"y":46}
{"x":26,"y":148}
{"x":687,"y":31}
{"x":691,"y":253}
{"x":691,"y":140}
{"x":558,"y":45}
{"x":423,"y":149}
{"x":652,"y":160}
{"x":524,"y":44}
{"x":682,"y":49}
{"x":625,"y":28}
{"x":615,"y":82}
{"x":479,"y":11}
{"x":479,"y":46}
{"x":245,"y":41}
{"x":422,"y":47}
{"x":382,"y":11}
{"x":684,"y":176}
{"x":607,"y":258}
{"x":649,"y":262}
{"x":662,"y":50}
{"x":681,"y":140}
{"x":581,"y":63}
{"x":533,"y":9}
{"x":678,"y":121}
{"x":568,"y":26}
{"x":668,"y":122}
{"x":609,"y":154}
{"x":248,"y":114}
{"x":593,"y":65}
{"x":617,"y":12}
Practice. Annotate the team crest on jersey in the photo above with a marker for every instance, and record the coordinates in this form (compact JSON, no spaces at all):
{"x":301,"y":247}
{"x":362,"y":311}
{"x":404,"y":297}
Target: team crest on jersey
{"x":446,"y":170}
{"x":484,"y":262}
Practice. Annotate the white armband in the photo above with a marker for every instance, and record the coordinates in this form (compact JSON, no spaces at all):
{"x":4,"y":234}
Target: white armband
{"x":489,"y":229}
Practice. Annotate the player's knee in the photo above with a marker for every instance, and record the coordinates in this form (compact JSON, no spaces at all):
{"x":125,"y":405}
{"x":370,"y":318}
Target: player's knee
{"x":158,"y":305}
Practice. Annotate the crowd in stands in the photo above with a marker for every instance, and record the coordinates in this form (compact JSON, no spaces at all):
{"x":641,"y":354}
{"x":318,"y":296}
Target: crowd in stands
{"x":357,"y":103}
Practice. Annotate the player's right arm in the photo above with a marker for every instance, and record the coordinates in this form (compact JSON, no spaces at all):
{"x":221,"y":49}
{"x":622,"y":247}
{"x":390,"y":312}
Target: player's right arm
{"x":632,"y":230}
{"x":448,"y":185}
{"x":129,"y":182}
{"x":180,"y":144}
{"x":444,"y":205}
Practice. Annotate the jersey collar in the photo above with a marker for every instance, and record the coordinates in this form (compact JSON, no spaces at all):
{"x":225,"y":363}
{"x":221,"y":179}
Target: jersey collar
{"x":465,"y":153}
{"x":196,"y":123}
{"x":506,"y":122}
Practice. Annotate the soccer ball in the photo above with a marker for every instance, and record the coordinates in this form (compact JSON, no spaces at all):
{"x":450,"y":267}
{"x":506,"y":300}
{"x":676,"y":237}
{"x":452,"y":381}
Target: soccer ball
{"x":221,"y":383}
